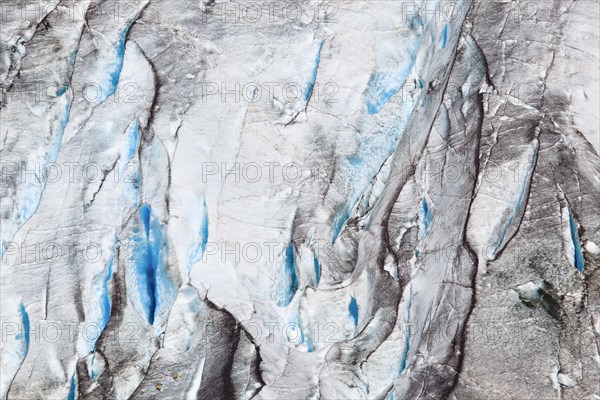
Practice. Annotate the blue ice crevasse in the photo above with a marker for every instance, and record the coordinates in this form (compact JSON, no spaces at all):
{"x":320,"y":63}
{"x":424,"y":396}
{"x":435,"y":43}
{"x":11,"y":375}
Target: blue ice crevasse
{"x":72,"y":387}
{"x":444,"y":36}
{"x":23,"y":334}
{"x":424,"y":218}
{"x":288,"y":282}
{"x":156,"y":290}
{"x":201,"y":239}
{"x":313,"y":75}
{"x":577,"y":259}
{"x":407,"y":332}
{"x":317,"y":268}
{"x":519,"y":204}
{"x":115,"y":67}
{"x":353,"y":310}
{"x":100,"y":285}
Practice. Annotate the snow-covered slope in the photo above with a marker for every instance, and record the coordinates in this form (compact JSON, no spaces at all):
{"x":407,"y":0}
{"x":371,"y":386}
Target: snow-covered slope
{"x":299,"y":200}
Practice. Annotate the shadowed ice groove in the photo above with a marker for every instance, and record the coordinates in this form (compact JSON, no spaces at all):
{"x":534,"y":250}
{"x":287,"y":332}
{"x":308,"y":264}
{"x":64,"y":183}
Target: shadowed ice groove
{"x":129,"y":166}
{"x":50,"y":156}
{"x":15,"y":342}
{"x":52,"y":150}
{"x":95,"y":364}
{"x":100,"y":281}
{"x":360,"y":168}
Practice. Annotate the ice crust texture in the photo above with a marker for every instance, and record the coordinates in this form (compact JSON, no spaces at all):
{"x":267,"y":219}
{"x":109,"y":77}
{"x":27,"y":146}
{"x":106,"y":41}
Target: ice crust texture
{"x":301,"y":200}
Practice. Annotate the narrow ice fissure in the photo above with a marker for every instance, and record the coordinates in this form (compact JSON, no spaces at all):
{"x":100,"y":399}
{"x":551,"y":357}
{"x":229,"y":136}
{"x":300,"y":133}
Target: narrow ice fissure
{"x":149,"y":268}
{"x":313,"y":76}
{"x":289,"y":279}
{"x":424,"y":218}
{"x":132,"y":136}
{"x":72,"y":387}
{"x":114,"y":68}
{"x":578,"y":261}
{"x":353,"y":311}
{"x":104,"y":297}
{"x":199,"y":244}
{"x":317,"y":269}
{"x":100,"y":285}
{"x":23,"y":334}
{"x":407,"y":331}
{"x":444,"y":36}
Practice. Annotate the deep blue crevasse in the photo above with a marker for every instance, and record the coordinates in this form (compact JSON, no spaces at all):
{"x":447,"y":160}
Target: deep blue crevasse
{"x":578,"y":256}
{"x":353,"y":310}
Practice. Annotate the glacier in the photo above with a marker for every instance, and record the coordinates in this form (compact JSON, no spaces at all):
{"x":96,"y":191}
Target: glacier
{"x":324,"y":199}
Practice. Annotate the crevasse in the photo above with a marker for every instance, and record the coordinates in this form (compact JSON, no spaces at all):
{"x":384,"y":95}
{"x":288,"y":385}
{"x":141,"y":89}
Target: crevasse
{"x":199,"y":244}
{"x":288,"y":278}
{"x":155,"y":288}
{"x":578,"y":261}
